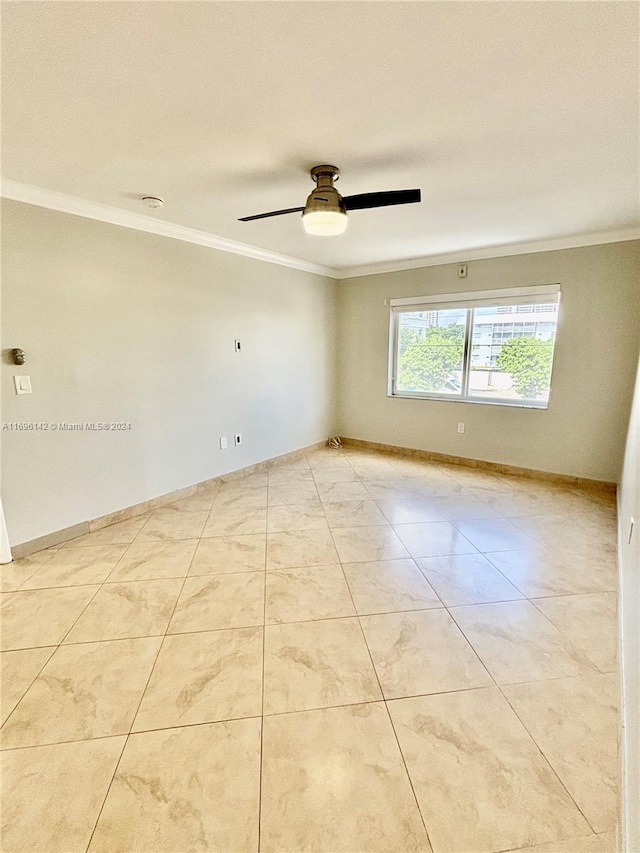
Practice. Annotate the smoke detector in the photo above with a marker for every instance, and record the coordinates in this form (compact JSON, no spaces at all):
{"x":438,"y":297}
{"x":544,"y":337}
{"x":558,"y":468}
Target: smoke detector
{"x":152,"y":202}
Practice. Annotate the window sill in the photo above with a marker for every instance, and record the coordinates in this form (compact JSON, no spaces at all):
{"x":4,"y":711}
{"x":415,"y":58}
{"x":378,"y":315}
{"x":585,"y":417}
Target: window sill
{"x":511,"y":404}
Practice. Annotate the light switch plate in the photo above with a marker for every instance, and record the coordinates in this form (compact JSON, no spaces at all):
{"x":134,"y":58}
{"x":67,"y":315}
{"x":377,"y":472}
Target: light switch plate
{"x":22,"y":384}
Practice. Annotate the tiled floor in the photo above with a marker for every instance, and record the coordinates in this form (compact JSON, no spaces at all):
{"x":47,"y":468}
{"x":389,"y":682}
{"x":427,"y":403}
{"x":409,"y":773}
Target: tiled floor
{"x":350,"y":653}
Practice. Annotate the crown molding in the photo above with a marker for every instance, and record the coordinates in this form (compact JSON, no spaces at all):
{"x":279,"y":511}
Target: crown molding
{"x":76,"y":206}
{"x":574,"y":242}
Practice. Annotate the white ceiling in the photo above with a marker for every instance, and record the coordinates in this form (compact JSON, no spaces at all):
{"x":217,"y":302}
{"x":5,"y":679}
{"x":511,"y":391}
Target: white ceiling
{"x":518,"y":120}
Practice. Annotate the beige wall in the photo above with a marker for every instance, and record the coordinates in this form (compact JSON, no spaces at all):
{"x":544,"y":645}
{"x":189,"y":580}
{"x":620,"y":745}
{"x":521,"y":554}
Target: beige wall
{"x":629,"y":560}
{"x":124,"y":326}
{"x":583,"y":431}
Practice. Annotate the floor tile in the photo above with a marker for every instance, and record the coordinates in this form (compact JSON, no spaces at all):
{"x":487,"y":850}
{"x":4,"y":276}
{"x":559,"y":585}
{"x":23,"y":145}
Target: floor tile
{"x":334,"y":780}
{"x":303,"y":516}
{"x":404,"y":510}
{"x":205,"y":677}
{"x":234,"y":497}
{"x":563,"y":716}
{"x":421,"y":652}
{"x":494,"y":534}
{"x":465,"y":506}
{"x":541,"y":572}
{"x":396,"y":490}
{"x":134,"y":609}
{"x":467,"y":579}
{"x":299,"y":548}
{"x":199,"y":502}
{"x":602,"y":843}
{"x":389,"y":585}
{"x":122,"y":533}
{"x":76,"y":566}
{"x":433,"y":539}
{"x":316,"y":664}
{"x":590,"y":622}
{"x":334,"y":492}
{"x":353,"y":514}
{"x":14,"y":574}
{"x":52,"y":795}
{"x":481,"y":782}
{"x":18,"y":669}
{"x":368,"y":544}
{"x":228,"y":554}
{"x":85,"y":691}
{"x":292,"y":493}
{"x":41,"y":617}
{"x":345,"y":474}
{"x":169,"y":524}
{"x":314,"y":592}
{"x":229,"y":522}
{"x":194,"y":788}
{"x":220,"y":601}
{"x":149,"y":560}
{"x":517,"y":643}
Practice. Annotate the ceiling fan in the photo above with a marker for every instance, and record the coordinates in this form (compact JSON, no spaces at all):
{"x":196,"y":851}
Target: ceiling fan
{"x":325,"y":213}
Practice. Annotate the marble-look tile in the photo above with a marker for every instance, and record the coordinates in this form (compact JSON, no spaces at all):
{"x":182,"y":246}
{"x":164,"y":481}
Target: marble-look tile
{"x":76,"y":566}
{"x":170,"y":524}
{"x":194,"y":788}
{"x":303,"y":516}
{"x":154,"y":560}
{"x":233,"y":497}
{"x":345,"y":474}
{"x":590,"y":622}
{"x":287,"y":477}
{"x":334,"y":492}
{"x":41,"y":617}
{"x":467,"y":579}
{"x":517,"y":643}
{"x":388,"y":585}
{"x":421,"y":652}
{"x":13,"y":575}
{"x":230,"y":522}
{"x":315,"y":665}
{"x":199,"y":502}
{"x":122,"y":533}
{"x":133,"y":609}
{"x":433,"y":539}
{"x":497,"y":534}
{"x":353,"y":514}
{"x":376,"y":469}
{"x":228,"y":554}
{"x":203,"y":678}
{"x":18,"y":669}
{"x":52,"y":795}
{"x":408,"y":510}
{"x":314,"y":592}
{"x":604,"y":842}
{"x":334,"y":780}
{"x":220,"y":601}
{"x":481,"y":782}
{"x":465,"y":506}
{"x":299,"y":548}
{"x":292,"y":493}
{"x":395,"y":490}
{"x":368,"y":544}
{"x":541,"y":572}
{"x":574,"y":721}
{"x":84,"y":691}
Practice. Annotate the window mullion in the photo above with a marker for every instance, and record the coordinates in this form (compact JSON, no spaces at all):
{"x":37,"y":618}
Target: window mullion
{"x":466,"y":353}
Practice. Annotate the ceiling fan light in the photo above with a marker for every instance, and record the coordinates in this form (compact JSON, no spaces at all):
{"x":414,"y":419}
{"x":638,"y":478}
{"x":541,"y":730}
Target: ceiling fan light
{"x":325,"y":223}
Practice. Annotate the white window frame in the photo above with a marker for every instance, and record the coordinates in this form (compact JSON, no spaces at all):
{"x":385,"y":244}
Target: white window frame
{"x":470,"y":301}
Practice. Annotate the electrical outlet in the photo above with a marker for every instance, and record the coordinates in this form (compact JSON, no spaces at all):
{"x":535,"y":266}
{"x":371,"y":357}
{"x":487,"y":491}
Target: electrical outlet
{"x":462,"y":270}
{"x":223,"y":442}
{"x":238,"y":345}
{"x":237,"y":439}
{"x":460,"y":427}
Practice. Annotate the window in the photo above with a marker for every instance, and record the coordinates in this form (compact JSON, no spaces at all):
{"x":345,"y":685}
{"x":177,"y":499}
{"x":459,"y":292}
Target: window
{"x":487,"y":347}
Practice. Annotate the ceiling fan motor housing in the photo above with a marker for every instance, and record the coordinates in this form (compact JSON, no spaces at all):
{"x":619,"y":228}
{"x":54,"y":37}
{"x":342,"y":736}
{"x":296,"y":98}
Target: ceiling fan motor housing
{"x":325,"y":196}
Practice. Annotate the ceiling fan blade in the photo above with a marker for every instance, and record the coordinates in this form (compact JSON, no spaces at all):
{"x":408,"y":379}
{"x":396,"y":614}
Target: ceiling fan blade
{"x":366,"y":200}
{"x":271,"y":213}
